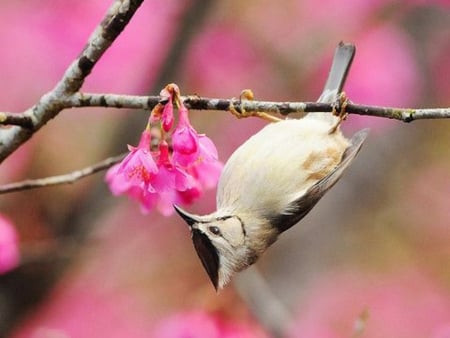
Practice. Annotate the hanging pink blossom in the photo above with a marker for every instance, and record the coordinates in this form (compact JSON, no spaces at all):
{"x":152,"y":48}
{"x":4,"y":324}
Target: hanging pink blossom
{"x":204,"y":165}
{"x":195,"y":152}
{"x":9,"y":250}
{"x":189,"y":195}
{"x":167,"y":174}
{"x":169,"y":181}
{"x":208,"y":167}
{"x":135,"y":173}
{"x":169,"y":92}
{"x":167,"y":116}
{"x":185,"y":139}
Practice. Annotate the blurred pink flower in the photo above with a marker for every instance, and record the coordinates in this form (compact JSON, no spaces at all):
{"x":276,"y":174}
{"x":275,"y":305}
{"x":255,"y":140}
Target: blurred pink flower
{"x":405,"y":304}
{"x":229,"y":51}
{"x":384,"y":73}
{"x":87,"y":307}
{"x":9,"y":249}
{"x":442,"y":332}
{"x":317,"y":14}
{"x":438,"y":54}
{"x":203,"y":325}
{"x":38,"y":60}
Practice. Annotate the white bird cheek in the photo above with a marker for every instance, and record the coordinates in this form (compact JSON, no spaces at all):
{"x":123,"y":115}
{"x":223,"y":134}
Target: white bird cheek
{"x":233,"y":235}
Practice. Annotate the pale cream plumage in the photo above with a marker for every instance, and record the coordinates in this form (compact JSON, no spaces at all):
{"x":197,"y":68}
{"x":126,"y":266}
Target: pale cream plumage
{"x":272,"y":181}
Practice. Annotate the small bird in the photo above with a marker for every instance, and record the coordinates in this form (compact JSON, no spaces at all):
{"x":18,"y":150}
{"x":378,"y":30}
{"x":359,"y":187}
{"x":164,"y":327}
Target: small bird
{"x":272,"y":181}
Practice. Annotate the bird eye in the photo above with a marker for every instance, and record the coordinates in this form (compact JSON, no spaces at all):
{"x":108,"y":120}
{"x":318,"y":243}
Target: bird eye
{"x":214,"y":230}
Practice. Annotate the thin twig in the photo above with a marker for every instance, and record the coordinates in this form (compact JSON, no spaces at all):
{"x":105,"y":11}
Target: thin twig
{"x":283,"y":108}
{"x":16,"y":120}
{"x":202,"y":103}
{"x":61,"y":179}
{"x":118,"y":16}
{"x":264,"y":304}
{"x":402,"y":114}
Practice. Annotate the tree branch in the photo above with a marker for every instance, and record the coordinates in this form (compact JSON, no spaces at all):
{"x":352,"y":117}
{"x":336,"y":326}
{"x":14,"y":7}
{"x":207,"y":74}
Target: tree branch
{"x":264,"y":304}
{"x":202,"y":103}
{"x":117,"y":17}
{"x":61,"y":179}
{"x":12,"y":119}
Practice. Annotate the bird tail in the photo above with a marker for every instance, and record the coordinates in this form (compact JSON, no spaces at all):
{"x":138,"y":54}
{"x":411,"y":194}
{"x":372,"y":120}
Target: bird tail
{"x":342,"y":60}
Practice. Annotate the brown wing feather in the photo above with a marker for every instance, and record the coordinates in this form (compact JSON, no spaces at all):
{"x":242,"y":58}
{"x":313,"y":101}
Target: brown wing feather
{"x":298,"y":209}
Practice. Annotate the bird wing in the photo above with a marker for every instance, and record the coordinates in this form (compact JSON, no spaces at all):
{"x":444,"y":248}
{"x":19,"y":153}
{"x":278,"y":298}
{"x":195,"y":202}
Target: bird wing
{"x":298,"y":208}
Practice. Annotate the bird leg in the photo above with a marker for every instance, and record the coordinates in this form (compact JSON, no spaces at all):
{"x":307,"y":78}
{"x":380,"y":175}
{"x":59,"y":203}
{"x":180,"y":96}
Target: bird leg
{"x":339,"y":111}
{"x":240,"y":112}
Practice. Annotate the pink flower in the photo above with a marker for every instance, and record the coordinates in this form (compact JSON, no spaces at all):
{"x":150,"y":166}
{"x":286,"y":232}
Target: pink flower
{"x":170,"y":92}
{"x":189,"y":195}
{"x":185,"y":139}
{"x":195,"y":152}
{"x":207,"y":167}
{"x":9,"y":250}
{"x":167,"y":176}
{"x":203,"y":325}
{"x":169,"y":181}
{"x":378,"y":81}
{"x":135,"y":174}
{"x":167,"y":115}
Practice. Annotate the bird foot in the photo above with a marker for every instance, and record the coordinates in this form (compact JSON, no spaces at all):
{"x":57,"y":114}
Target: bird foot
{"x":339,"y":111}
{"x":240,"y":112}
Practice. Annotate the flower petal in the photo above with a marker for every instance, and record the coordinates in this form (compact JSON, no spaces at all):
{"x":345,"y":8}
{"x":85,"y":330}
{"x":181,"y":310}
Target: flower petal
{"x":185,"y":138}
{"x":167,"y":115}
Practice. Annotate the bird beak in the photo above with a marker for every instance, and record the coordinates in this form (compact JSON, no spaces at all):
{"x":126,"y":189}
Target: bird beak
{"x":208,"y":255}
{"x":190,"y":219}
{"x":206,"y":251}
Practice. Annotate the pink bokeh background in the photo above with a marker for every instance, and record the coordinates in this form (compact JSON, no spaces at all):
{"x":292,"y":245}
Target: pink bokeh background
{"x":378,"y":242}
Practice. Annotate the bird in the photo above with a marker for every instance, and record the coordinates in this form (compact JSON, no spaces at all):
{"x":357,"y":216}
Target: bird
{"x":272,"y":181}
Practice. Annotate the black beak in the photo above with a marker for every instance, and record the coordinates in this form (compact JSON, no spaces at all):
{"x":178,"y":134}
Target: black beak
{"x":208,"y":255}
{"x":190,"y":219}
{"x":206,"y":251}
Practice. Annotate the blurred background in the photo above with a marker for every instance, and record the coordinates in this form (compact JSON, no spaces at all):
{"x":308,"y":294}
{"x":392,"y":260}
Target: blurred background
{"x":373,"y":255}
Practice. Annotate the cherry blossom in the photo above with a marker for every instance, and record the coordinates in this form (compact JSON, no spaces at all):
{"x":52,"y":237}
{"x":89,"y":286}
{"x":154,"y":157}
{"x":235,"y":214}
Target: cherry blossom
{"x":167,"y":174}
